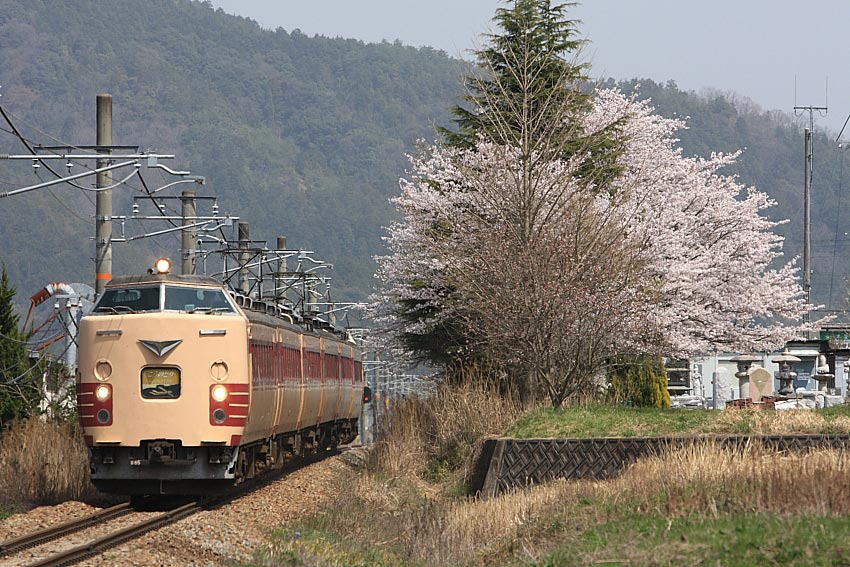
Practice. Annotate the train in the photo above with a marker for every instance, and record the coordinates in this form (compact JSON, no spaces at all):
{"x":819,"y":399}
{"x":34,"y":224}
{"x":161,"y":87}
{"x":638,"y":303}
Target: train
{"x":187,"y":387}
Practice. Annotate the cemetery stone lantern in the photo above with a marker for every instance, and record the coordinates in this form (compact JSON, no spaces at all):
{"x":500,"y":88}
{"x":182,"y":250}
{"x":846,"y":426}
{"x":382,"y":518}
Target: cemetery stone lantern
{"x":824,"y":377}
{"x":744,"y":361}
{"x":786,"y":375}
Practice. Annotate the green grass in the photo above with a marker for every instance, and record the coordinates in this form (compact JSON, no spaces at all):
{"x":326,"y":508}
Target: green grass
{"x":606,"y":421}
{"x":610,"y":421}
{"x":599,"y":533}
{"x":308,"y":548}
{"x":8,"y":509}
{"x":735,"y":540}
{"x":835,"y":412}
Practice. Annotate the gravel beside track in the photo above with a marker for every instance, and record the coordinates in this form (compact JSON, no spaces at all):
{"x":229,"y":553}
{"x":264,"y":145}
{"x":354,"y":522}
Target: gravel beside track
{"x":209,"y":538}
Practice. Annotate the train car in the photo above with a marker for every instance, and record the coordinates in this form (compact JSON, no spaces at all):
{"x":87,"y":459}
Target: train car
{"x":186,"y":388}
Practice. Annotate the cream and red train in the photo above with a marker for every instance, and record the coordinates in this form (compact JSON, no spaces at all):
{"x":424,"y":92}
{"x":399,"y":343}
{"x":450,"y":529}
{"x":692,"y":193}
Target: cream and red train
{"x":184,"y":389}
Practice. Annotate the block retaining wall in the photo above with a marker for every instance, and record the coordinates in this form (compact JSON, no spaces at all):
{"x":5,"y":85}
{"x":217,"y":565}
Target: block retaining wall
{"x":505,"y":464}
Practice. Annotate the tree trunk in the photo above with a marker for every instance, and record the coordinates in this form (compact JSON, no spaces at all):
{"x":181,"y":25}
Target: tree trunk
{"x":528,"y":390}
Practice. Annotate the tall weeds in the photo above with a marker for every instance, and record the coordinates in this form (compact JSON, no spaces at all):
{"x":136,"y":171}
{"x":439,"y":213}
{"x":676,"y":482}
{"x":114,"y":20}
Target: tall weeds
{"x":706,"y":479}
{"x":42,"y":463}
{"x":435,"y":437}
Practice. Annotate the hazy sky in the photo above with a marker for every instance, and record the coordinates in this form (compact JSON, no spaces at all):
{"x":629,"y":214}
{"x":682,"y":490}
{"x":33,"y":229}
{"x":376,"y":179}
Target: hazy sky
{"x":753,"y":47}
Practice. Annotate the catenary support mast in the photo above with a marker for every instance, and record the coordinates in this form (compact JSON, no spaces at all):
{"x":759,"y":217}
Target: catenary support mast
{"x":103,"y":206}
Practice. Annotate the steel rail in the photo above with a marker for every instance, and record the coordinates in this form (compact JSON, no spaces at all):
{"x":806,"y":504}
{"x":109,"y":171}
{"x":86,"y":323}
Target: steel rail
{"x":99,"y":545}
{"x":54,"y":532}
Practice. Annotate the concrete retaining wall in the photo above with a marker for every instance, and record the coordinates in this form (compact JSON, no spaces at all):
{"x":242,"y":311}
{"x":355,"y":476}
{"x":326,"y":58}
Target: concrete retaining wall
{"x":505,"y":464}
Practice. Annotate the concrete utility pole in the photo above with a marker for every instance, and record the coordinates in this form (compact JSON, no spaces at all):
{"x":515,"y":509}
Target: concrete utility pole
{"x":103,"y":207}
{"x":280,"y":278}
{"x":189,"y":236}
{"x":243,"y":232}
{"x":807,"y":190}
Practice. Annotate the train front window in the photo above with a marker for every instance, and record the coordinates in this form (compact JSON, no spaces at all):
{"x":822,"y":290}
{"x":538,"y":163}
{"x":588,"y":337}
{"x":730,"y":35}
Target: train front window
{"x":197,"y":300}
{"x":129,"y":300}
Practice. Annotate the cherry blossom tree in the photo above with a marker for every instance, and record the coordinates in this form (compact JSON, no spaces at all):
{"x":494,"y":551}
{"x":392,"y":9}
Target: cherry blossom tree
{"x":542,"y":283}
{"x":560,"y":230}
{"x":553,"y":275}
{"x":717,"y":259}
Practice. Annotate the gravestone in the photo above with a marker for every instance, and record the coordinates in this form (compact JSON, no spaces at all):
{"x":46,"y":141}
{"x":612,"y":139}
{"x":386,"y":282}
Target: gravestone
{"x":761,"y":384}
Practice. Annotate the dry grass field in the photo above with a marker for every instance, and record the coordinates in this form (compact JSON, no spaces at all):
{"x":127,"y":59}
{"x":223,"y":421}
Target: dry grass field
{"x":700,"y":506}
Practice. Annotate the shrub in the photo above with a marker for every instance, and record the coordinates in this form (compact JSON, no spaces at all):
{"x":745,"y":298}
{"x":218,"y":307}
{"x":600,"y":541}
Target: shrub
{"x":642,"y":384}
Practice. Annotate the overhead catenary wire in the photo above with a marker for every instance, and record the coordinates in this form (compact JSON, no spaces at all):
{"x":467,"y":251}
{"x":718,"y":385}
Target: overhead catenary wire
{"x":30,"y":146}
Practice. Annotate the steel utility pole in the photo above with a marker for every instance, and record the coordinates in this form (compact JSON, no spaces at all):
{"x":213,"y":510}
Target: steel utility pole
{"x":279,"y":281}
{"x":103,"y":207}
{"x":243,"y":232}
{"x":807,"y":193}
{"x":807,"y":218}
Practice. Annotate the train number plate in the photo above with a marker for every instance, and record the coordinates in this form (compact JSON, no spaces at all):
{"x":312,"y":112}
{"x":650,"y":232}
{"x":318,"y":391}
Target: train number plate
{"x":160,"y":383}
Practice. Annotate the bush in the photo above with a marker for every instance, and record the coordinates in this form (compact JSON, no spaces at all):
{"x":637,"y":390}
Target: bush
{"x":642,"y":384}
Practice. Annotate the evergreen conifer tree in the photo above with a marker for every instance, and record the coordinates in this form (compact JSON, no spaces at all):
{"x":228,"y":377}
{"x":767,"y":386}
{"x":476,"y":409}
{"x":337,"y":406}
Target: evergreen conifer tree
{"x":531,"y":89}
{"x":642,"y":384}
{"x":18,"y":393}
{"x":530,"y":63}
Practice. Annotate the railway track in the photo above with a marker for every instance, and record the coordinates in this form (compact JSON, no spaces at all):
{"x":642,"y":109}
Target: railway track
{"x":33,"y":539}
{"x":69,"y":554}
{"x":75,"y":551}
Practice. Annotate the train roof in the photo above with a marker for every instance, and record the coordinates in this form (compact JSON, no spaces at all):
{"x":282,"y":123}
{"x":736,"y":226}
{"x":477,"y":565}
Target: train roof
{"x":190,"y":279}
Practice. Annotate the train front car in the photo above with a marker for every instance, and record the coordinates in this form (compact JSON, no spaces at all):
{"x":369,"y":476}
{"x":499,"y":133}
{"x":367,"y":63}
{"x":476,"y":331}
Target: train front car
{"x":164,"y":385}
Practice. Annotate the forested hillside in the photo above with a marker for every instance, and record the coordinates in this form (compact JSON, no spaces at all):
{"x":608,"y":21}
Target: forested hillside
{"x":299,"y":136}
{"x":302,"y":136}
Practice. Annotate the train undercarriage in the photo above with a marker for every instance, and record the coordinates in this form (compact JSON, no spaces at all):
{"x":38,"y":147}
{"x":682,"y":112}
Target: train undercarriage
{"x":165,"y":466}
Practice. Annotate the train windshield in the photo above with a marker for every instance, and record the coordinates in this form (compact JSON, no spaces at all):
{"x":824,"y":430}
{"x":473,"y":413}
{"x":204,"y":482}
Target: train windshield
{"x":197,"y":300}
{"x":129,"y":300}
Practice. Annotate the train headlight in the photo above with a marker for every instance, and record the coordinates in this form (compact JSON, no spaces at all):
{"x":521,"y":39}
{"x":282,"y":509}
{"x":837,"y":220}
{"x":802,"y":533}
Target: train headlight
{"x":103,"y":392}
{"x":162,"y":266}
{"x":102,"y":370}
{"x":219,"y":393}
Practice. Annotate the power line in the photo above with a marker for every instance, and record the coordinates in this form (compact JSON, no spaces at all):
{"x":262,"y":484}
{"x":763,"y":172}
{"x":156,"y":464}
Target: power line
{"x":37,"y":129}
{"x":31,"y":148}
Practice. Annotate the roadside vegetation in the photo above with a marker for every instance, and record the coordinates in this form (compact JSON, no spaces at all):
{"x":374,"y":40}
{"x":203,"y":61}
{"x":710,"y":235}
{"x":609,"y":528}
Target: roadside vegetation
{"x":408,"y":505}
{"x":41,"y":463}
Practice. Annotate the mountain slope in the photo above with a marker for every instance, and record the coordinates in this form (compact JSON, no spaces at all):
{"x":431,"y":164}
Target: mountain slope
{"x":302,"y":136}
{"x":299,"y":136}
